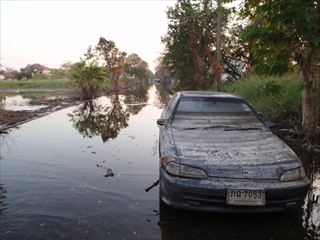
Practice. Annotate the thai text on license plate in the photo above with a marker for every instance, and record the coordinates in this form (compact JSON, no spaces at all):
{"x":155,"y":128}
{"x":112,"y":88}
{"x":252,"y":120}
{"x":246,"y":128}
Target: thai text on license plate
{"x":246,"y":197}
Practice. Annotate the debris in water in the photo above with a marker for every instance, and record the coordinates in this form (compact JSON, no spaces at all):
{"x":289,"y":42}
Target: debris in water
{"x":89,"y":146}
{"x":99,"y":165}
{"x":93,"y":152}
{"x":152,"y":186}
{"x":109,"y":173}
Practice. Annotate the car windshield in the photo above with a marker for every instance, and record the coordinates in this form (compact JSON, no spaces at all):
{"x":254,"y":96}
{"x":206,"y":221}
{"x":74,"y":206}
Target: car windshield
{"x":215,"y":112}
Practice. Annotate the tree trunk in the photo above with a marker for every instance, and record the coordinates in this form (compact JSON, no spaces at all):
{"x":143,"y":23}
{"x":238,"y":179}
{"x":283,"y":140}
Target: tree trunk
{"x":309,"y":121}
{"x":218,"y":47}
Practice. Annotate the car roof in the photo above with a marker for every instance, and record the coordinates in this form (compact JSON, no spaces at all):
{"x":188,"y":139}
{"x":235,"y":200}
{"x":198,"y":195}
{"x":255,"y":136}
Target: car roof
{"x":208,"y":94}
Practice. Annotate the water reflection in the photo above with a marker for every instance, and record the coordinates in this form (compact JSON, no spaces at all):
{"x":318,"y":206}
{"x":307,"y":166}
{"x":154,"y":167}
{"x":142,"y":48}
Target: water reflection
{"x":303,"y":224}
{"x":163,"y":97}
{"x":184,"y":225}
{"x":3,"y":190}
{"x":311,"y":210}
{"x":21,"y":103}
{"x":93,"y":119}
{"x":136,"y":98}
{"x":3,"y":196}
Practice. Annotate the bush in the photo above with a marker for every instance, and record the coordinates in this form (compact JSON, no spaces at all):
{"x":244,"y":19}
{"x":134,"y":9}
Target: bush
{"x":271,"y":95}
{"x":89,"y":78}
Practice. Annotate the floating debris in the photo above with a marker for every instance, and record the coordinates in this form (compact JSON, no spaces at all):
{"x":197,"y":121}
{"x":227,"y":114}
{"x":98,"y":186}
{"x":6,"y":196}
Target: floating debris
{"x":93,"y":152}
{"x":109,"y":173}
{"x":152,"y":186}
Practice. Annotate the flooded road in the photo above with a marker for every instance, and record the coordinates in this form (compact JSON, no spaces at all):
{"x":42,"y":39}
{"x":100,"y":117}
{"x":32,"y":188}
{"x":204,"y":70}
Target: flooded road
{"x":81,"y":173}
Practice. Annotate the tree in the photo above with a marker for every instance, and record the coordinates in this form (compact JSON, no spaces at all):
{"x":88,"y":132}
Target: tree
{"x":284,"y":32}
{"x":89,"y":77}
{"x":191,"y":43}
{"x":136,"y":67}
{"x":24,"y":74}
{"x":113,"y":58}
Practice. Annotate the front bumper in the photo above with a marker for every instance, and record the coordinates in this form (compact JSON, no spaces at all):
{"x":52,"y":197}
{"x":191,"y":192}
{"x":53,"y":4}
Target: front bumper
{"x":210,"y":195}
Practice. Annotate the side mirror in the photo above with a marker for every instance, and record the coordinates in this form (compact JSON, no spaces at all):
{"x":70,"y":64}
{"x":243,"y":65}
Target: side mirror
{"x":162,"y":122}
{"x":269,"y":124}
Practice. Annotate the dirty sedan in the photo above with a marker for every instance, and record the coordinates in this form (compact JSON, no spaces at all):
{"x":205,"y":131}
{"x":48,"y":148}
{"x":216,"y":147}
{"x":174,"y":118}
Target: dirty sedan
{"x":216,"y":154}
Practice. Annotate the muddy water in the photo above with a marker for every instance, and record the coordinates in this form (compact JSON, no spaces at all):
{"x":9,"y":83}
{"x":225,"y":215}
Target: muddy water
{"x":81,"y":173}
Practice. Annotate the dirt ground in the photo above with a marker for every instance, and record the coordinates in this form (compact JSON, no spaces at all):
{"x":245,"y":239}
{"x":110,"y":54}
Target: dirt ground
{"x":11,"y":119}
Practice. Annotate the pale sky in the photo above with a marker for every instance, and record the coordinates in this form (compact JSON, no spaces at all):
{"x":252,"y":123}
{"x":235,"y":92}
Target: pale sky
{"x":51,"y":32}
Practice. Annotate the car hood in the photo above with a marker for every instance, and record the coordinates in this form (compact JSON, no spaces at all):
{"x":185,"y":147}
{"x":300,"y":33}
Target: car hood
{"x":255,"y":154}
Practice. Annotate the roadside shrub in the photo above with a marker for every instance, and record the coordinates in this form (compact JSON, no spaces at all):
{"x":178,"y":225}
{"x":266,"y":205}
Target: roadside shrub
{"x":88,"y":77}
{"x":35,"y":84}
{"x":273,"y":96}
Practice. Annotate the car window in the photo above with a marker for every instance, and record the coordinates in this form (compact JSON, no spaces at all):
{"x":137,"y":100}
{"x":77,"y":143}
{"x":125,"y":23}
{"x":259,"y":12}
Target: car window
{"x":170,"y":107}
{"x":216,"y":111}
{"x":211,"y":105}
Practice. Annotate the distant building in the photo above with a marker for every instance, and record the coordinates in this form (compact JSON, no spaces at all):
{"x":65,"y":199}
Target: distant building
{"x":10,"y":75}
{"x":36,"y":67}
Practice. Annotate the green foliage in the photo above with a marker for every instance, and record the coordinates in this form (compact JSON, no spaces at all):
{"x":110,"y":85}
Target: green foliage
{"x":114,"y":59}
{"x":270,"y":95}
{"x":137,"y":68}
{"x":190,"y":41}
{"x":36,"y":84}
{"x":89,"y":77}
{"x":270,"y":88}
{"x":53,"y":75}
{"x":281,"y":31}
{"x":23,"y":74}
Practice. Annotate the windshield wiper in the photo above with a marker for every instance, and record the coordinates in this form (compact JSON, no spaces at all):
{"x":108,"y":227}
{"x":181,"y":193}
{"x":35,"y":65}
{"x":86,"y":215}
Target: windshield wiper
{"x":218,"y":126}
{"x":207,"y":127}
{"x":243,"y":129}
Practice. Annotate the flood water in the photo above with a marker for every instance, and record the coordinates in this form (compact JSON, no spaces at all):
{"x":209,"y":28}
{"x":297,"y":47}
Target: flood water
{"x":81,"y":173}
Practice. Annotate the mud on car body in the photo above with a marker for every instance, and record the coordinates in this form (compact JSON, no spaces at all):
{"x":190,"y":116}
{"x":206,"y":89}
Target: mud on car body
{"x":216,"y":154}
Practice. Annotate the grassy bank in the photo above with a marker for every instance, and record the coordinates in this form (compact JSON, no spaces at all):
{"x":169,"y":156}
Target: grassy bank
{"x":36,"y":84}
{"x":273,"y":96}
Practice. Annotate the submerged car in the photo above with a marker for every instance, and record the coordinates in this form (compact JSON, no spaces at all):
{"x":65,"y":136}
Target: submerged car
{"x":217,"y":154}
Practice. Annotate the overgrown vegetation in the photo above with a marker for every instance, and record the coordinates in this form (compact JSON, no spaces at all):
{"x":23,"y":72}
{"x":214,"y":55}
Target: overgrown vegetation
{"x":263,"y":37}
{"x":191,"y":43}
{"x":36,"y":84}
{"x":273,"y":96}
{"x":105,"y":64}
{"x":89,"y":77}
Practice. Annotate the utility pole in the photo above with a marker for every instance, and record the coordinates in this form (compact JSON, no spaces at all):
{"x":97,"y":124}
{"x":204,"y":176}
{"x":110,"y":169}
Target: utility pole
{"x":218,"y":47}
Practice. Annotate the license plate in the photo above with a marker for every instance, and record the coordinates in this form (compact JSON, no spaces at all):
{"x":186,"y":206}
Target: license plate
{"x":246,"y":197}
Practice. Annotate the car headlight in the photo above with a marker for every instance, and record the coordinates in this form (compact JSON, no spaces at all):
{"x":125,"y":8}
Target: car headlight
{"x":293,"y":175}
{"x":185,"y":171}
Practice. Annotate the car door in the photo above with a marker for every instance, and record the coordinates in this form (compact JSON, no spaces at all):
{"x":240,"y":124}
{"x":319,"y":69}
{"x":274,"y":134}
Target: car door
{"x":167,"y":114}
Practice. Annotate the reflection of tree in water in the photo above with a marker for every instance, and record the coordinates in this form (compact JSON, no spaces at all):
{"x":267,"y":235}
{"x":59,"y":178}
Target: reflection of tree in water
{"x":3,"y":191}
{"x":136,"y":98}
{"x":311,"y":211}
{"x":182,"y":225}
{"x":1,"y":102}
{"x":91,"y":119}
{"x":163,"y":97}
{"x":3,"y":196}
